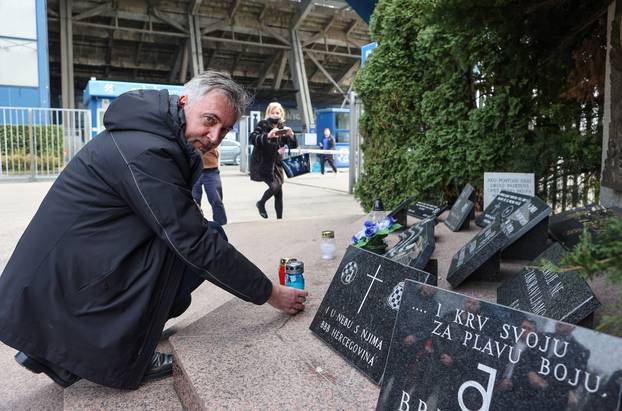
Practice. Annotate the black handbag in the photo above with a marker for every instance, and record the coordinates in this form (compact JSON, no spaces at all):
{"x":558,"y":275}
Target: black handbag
{"x":296,"y":165}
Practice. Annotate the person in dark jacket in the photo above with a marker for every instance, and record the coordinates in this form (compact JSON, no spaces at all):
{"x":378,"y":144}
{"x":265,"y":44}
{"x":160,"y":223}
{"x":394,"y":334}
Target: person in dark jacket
{"x":328,"y":143}
{"x":118,"y":243}
{"x":269,"y":139}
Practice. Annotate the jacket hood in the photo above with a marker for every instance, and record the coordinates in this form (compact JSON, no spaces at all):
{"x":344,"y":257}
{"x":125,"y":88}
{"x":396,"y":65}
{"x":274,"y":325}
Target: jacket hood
{"x":151,"y":111}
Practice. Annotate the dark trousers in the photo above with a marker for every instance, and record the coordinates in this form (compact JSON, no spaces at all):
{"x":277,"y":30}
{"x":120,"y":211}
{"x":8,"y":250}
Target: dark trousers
{"x":190,"y":281}
{"x":324,"y":158}
{"x":210,"y":181}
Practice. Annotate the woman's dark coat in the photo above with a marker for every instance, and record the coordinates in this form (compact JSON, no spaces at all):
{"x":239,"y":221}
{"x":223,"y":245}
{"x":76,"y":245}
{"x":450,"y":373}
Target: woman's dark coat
{"x":265,"y":159}
{"x":91,"y":282}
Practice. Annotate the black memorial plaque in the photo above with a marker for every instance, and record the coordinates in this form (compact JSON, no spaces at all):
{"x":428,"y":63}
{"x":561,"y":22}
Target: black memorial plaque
{"x":503,"y":205}
{"x":560,"y":296}
{"x":453,"y":352}
{"x":358,"y":310}
{"x":400,"y":212}
{"x":416,"y":246}
{"x":527,"y":229}
{"x":480,"y":256}
{"x":566,"y":227}
{"x":423,"y":210}
{"x":462,"y":211}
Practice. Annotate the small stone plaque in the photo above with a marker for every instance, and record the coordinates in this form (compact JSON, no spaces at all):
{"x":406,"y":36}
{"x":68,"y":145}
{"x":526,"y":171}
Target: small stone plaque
{"x":453,"y":352}
{"x":358,"y":311}
{"x":480,"y":255}
{"x":494,"y":183}
{"x":503,"y":205}
{"x":400,"y":212}
{"x":567,"y":227}
{"x":560,"y":296}
{"x":423,"y":210}
{"x":416,"y":245}
{"x":462,"y":210}
{"x":527,"y":229}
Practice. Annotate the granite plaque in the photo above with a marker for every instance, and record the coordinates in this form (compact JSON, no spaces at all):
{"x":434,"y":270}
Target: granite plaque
{"x":560,"y":296}
{"x":423,"y":210}
{"x":480,"y":256}
{"x":462,"y":211}
{"x":567,"y":227}
{"x":527,"y":229}
{"x":453,"y":352}
{"x":416,"y":245}
{"x":494,"y":183}
{"x":357,"y":313}
{"x":400,"y":212}
{"x":503,"y":205}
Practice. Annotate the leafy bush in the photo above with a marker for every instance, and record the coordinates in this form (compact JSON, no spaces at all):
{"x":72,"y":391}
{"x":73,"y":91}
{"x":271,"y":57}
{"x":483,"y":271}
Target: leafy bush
{"x":458,"y":88}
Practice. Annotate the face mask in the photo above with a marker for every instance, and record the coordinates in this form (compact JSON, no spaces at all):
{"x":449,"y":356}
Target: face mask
{"x":274,"y":120}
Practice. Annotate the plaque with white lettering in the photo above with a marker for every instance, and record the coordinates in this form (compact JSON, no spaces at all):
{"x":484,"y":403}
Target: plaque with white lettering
{"x":504,"y":204}
{"x":358,"y":311}
{"x":462,"y":211}
{"x":416,"y":245}
{"x":560,"y":296}
{"x":527,"y":230}
{"x":423,"y":210}
{"x":454,"y":352}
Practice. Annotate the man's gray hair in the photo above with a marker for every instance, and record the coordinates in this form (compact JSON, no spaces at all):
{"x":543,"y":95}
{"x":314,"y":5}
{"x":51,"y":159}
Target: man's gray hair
{"x":207,"y":81}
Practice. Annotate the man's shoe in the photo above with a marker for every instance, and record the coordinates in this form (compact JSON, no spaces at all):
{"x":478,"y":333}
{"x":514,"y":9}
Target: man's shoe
{"x":262,"y":209}
{"x":59,"y":375}
{"x":161,"y":366}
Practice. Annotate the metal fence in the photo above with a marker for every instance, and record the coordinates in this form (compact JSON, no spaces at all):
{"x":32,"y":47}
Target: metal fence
{"x":38,"y":142}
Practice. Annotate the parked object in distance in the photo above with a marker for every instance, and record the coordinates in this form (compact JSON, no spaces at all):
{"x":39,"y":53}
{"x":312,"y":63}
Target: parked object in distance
{"x":230,"y":152}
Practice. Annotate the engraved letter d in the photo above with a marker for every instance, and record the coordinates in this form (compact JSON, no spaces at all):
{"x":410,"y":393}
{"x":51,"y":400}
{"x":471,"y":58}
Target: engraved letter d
{"x":486,"y":393}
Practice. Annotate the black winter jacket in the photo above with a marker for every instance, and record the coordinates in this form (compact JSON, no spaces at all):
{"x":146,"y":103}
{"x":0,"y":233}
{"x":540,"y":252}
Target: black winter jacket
{"x":265,"y":156}
{"x":91,"y":282}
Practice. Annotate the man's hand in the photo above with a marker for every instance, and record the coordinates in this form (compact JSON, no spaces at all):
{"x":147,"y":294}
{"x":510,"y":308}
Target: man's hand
{"x":287,"y":299}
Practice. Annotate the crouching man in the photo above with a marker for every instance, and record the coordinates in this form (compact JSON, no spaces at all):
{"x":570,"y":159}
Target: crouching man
{"x":118,"y":243}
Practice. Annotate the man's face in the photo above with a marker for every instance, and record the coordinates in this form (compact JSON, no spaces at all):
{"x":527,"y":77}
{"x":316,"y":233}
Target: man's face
{"x":208,"y":120}
{"x":326,"y":132}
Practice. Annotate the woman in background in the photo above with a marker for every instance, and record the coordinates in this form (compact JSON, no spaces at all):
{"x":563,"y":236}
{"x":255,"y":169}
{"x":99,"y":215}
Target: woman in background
{"x":269,"y":140}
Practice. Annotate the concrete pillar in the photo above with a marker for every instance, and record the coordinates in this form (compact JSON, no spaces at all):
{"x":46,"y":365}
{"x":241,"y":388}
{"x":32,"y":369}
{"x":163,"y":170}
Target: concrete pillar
{"x":611,"y":178}
{"x":299,"y":76}
{"x":66,"y":55}
{"x":196,"y":49}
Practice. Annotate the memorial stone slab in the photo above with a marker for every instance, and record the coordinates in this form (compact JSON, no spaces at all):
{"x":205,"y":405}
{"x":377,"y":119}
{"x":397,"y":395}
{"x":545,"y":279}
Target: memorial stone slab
{"x":503,"y":205}
{"x":494,"y":183}
{"x":357,"y":313}
{"x":423,"y":210}
{"x":462,"y":210}
{"x":480,"y":256}
{"x":453,"y":352}
{"x":527,"y":229}
{"x":566,"y":227}
{"x":560,"y":296}
{"x":400,"y":212}
{"x":416,"y":245}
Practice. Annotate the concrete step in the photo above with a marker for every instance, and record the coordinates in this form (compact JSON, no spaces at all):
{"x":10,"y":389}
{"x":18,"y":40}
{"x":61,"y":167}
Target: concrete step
{"x":242,"y":356}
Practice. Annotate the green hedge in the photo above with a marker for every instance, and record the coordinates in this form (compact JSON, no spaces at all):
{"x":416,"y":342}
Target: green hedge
{"x":15,"y":150}
{"x":423,"y":132}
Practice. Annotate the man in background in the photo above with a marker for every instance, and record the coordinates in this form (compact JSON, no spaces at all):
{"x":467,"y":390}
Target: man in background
{"x":328,"y":143}
{"x":209,"y":179}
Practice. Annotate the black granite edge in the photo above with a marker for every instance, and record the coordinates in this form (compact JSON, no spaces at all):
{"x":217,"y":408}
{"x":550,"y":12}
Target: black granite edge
{"x":576,"y":315}
{"x":473,"y":265}
{"x":524,"y":229}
